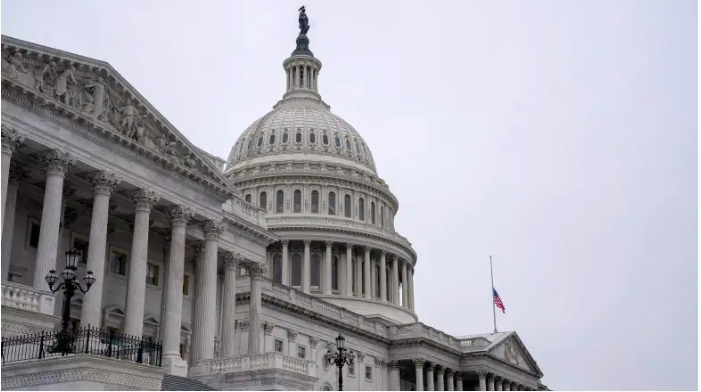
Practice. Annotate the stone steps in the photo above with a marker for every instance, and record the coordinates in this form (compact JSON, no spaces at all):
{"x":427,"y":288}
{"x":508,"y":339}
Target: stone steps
{"x":176,"y":383}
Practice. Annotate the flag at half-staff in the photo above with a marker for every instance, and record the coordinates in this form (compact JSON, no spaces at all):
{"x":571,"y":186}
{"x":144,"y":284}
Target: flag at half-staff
{"x":497,"y":300}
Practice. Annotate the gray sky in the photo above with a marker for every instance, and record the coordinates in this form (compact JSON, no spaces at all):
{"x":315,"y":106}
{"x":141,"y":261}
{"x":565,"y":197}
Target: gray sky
{"x":559,"y":136}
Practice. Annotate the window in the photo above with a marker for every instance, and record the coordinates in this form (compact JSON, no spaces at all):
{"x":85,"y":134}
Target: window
{"x":152,"y":274}
{"x":312,"y":137}
{"x":368,"y":373}
{"x":325,"y":139}
{"x":260,"y":141}
{"x":271,"y":141}
{"x":263,"y":201}
{"x":382,"y":216}
{"x":332,"y":203}
{"x":302,"y":352}
{"x":361,"y":209}
{"x":280,"y":202}
{"x":315,"y":202}
{"x":186,"y":285}
{"x":33,"y":234}
{"x":347,"y":205}
{"x":80,"y":243}
{"x":348,"y":147}
{"x":334,"y":273}
{"x":296,"y":278}
{"x":285,"y":137}
{"x":376,"y":280}
{"x":277,"y":268}
{"x":372,"y":212}
{"x":337,"y":140}
{"x":248,"y":198}
{"x":297,"y":201}
{"x":316,"y":272}
{"x":298,"y":137}
{"x":118,"y":262}
{"x":278,"y":346}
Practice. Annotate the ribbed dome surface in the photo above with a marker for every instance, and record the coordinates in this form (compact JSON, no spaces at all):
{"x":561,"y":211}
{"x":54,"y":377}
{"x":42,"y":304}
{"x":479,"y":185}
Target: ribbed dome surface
{"x":301,"y":126}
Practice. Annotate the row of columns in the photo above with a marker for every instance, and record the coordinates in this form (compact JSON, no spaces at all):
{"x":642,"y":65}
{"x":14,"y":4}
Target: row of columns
{"x":492,"y":382}
{"x":57,"y":163}
{"x":365,"y":269}
{"x":301,"y":76}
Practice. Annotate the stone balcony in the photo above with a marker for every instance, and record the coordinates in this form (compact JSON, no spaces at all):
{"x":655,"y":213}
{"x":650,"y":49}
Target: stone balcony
{"x":26,"y":309}
{"x":270,"y":371}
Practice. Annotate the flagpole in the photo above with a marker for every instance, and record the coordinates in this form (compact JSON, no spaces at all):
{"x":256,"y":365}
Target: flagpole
{"x":494,"y":310}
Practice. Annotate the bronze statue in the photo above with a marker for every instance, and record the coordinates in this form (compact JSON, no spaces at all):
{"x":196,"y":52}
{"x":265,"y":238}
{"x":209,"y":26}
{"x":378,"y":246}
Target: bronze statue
{"x":303,"y":21}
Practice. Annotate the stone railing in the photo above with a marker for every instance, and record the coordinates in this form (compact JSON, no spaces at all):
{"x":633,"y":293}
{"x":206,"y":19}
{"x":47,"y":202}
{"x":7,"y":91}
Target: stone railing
{"x":421,"y":330}
{"x":336,"y":221}
{"x":18,"y":296}
{"x":246,"y":211}
{"x":268,"y":361}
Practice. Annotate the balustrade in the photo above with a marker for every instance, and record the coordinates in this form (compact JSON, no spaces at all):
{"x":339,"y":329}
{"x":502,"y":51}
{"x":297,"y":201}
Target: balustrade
{"x":18,"y":296}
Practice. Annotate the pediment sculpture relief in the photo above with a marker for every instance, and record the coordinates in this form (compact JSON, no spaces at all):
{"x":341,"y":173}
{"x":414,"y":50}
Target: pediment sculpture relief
{"x":511,"y":352}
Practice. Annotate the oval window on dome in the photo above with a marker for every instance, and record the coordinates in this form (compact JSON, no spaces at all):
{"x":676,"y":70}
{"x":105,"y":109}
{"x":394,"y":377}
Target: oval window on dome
{"x":285,"y":136}
{"x":298,"y":137}
{"x":337,"y":141}
{"x":260,"y":141}
{"x":312,"y":137}
{"x":271,"y":141}
{"x":325,"y":139}
{"x":357,"y":148}
{"x":348,"y":146}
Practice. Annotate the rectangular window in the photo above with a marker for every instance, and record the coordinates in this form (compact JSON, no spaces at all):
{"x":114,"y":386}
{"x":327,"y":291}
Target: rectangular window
{"x":33,"y":234}
{"x":278,"y":346}
{"x":368,"y":373}
{"x":152,"y":274}
{"x":186,"y":285}
{"x":118,"y":262}
{"x":80,"y":244}
{"x":302,"y":352}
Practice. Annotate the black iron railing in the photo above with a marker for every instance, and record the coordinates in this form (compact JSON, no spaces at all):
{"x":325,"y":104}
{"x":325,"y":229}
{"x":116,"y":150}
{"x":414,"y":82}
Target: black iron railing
{"x":84,"y":340}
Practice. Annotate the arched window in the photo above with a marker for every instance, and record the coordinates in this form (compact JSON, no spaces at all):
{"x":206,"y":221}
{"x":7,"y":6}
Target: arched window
{"x":271,"y":141}
{"x":296,"y":276}
{"x":280,"y":202}
{"x":382,"y":216}
{"x":297,"y":201}
{"x":298,"y":137}
{"x":337,"y":140}
{"x":376,"y":281}
{"x":312,"y":137}
{"x":277,"y":269}
{"x":315,"y":202}
{"x":334,"y":273}
{"x":285,"y":137}
{"x":248,"y":198}
{"x":372,"y":212}
{"x":325,"y":139}
{"x":348,"y":146}
{"x":263,"y":201}
{"x":332,"y":203}
{"x":347,"y":206}
{"x":316,"y":272}
{"x":361,"y":209}
{"x":260,"y":141}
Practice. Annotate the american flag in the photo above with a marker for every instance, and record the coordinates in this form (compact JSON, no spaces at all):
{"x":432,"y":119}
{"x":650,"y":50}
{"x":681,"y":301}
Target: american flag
{"x":497,"y":301}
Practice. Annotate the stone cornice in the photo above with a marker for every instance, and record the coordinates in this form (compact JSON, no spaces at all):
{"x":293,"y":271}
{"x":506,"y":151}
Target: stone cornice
{"x":249,"y":231}
{"x":489,"y":357}
{"x":426,"y":343}
{"x":524,"y":351}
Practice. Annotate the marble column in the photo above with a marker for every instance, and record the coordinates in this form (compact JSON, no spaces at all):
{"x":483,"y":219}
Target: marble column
{"x":16,"y":174}
{"x":144,"y":200}
{"x":405,"y":285}
{"x":306,"y":268}
{"x":366,"y":272}
{"x":328,"y":265}
{"x":506,"y":385}
{"x":286,"y":262}
{"x":440,"y":378}
{"x":394,"y":381}
{"x":411,"y":289}
{"x":497,"y":383}
{"x":204,"y":326}
{"x":383,"y":277}
{"x":359,"y":277}
{"x":419,"y":367}
{"x":395,"y":280}
{"x":449,"y":383}
{"x":256,"y":271}
{"x":458,"y":381}
{"x":349,"y":269}
{"x":180,"y":216}
{"x":57,"y":164}
{"x":482,"y":375}
{"x":164,"y":233}
{"x":11,"y":140}
{"x":430,"y":378}
{"x":490,"y":382}
{"x":103,"y":185}
{"x":228,"y":332}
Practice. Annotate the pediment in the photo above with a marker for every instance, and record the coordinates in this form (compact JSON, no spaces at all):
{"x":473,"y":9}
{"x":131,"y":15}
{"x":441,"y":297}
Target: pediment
{"x":93,"y":94}
{"x":514,"y":352}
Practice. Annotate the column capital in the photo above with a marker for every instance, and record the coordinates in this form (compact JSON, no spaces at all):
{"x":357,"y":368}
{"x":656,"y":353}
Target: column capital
{"x":307,"y":243}
{"x":231,"y":260}
{"x":268,"y":328}
{"x":212,"y":229}
{"x":431,"y":366}
{"x":449,"y":372}
{"x":313,"y":341}
{"x":497,"y":378}
{"x":285,"y":242}
{"x":482,"y":374}
{"x":104,"y":182}
{"x":505,"y":383}
{"x":180,"y":215}
{"x":457,"y":374}
{"x":57,"y":161}
{"x":383,"y":252}
{"x":350,"y":245}
{"x":393,"y":364}
{"x":329,"y":244}
{"x":144,"y":199}
{"x":10,"y":140}
{"x":291,"y":335}
{"x":395,"y":258}
{"x":17,"y":173}
{"x":367,"y":250}
{"x":256,"y":270}
{"x":440,"y":370}
{"x":419,"y":362}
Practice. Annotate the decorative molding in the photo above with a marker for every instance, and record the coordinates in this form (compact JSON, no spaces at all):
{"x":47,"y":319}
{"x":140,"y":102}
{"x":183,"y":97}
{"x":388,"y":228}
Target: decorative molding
{"x":81,"y":374}
{"x":11,"y":140}
{"x":145,"y":199}
{"x":212,"y":229}
{"x":57,"y":161}
{"x":180,"y":215}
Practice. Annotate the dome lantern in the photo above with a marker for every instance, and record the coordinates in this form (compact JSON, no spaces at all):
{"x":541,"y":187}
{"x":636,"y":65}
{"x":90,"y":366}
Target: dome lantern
{"x":302,"y":68}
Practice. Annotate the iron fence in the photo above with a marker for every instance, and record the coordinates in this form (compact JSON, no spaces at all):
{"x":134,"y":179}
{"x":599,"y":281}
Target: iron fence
{"x":84,"y":340}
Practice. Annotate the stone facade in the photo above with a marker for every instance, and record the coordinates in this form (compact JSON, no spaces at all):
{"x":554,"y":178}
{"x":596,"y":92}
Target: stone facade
{"x":245,"y":270}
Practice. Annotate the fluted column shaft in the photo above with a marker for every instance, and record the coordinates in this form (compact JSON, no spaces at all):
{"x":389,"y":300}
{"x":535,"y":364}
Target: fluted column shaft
{"x":306,"y":268}
{"x":103,"y":185}
{"x":383,"y":277}
{"x":136,"y":288}
{"x":256,"y":272}
{"x":419,"y":367}
{"x":10,"y":200}
{"x":180,"y":216}
{"x":57,"y":163}
{"x":449,"y":383}
{"x":349,"y":270}
{"x":490,"y":383}
{"x":430,"y":378}
{"x":411,"y":289}
{"x":497,"y":384}
{"x":328,"y":265}
{"x":359,"y":278}
{"x":440,"y":384}
{"x":506,"y":386}
{"x":366,"y":271}
{"x":482,"y":380}
{"x":10,"y":141}
{"x":394,"y":376}
{"x":405,"y":286}
{"x":395,"y":280}
{"x":458,"y":381}
{"x":285,"y":262}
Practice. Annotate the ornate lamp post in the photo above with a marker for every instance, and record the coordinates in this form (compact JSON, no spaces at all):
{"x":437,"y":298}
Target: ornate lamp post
{"x":70,"y":285}
{"x":341,"y":357}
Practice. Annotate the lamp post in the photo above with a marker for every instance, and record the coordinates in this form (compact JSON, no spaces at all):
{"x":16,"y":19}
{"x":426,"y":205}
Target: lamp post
{"x":70,"y":285}
{"x":341,"y":357}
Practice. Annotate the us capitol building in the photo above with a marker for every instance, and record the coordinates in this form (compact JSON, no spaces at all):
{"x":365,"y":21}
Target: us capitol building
{"x":214,"y":274}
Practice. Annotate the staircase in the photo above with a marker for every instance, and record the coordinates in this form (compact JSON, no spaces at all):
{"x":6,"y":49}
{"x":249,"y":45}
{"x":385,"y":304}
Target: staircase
{"x":176,"y":383}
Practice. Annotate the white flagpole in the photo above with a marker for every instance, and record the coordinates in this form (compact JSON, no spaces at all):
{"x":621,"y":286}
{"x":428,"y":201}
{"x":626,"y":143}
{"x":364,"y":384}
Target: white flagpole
{"x":494,"y":311}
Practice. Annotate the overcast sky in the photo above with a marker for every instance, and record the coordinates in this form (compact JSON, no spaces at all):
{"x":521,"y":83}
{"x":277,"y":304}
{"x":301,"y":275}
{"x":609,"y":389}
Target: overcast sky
{"x":558,"y":136}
